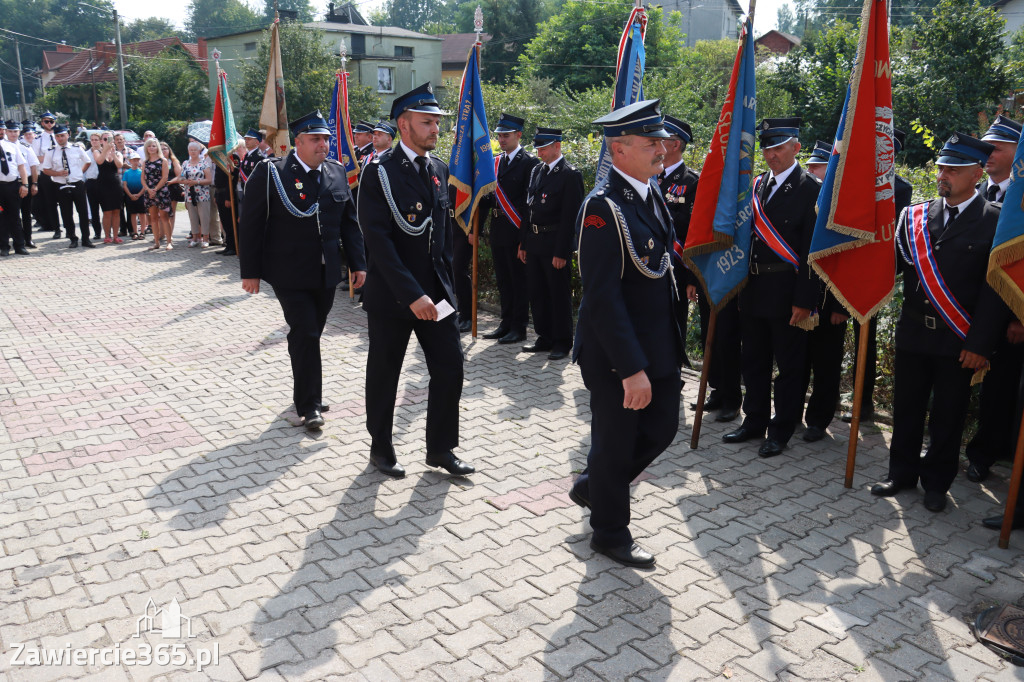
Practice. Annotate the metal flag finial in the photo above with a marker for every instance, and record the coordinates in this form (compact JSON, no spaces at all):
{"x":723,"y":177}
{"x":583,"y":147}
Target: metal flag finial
{"x":478,"y":21}
{"x":215,"y":53}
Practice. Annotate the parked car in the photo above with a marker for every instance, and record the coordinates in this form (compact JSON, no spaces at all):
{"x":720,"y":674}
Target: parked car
{"x":131,"y":138}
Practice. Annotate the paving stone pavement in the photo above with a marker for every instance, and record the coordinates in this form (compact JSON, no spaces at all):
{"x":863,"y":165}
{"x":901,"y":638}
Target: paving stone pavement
{"x":150,"y":462}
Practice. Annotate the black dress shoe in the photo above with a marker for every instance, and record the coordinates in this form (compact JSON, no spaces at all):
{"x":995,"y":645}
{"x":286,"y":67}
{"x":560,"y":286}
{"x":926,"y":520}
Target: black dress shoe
{"x":727,"y":414}
{"x":465,"y":326}
{"x":229,"y":252}
{"x":558,"y":354}
{"x":977,"y":472}
{"x":627,"y":555}
{"x":21,"y":251}
{"x":87,"y":243}
{"x":770,"y":448}
{"x":887,"y":488}
{"x":513,"y":337}
{"x":996,"y":522}
{"x":578,"y":498}
{"x":313,"y":420}
{"x":31,"y":245}
{"x":325,"y":408}
{"x":495,"y":333}
{"x":56,"y":235}
{"x":713,"y":402}
{"x":387,"y":465}
{"x":813,"y":434}
{"x":934,"y":500}
{"x":538,"y":346}
{"x":741,"y":435}
{"x":73,"y":244}
{"x":450,"y":463}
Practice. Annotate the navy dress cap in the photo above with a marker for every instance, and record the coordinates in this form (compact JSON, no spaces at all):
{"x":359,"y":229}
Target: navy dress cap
{"x":312,"y":123}
{"x":507,"y":123}
{"x":3,"y":125}
{"x":252,"y":132}
{"x":678,"y":128}
{"x":776,"y":131}
{"x":545,"y":136}
{"x":362,"y":127}
{"x":57,"y":130}
{"x":420,"y":100}
{"x":821,"y":153}
{"x":642,"y":118}
{"x":47,"y":114}
{"x":11,"y":124}
{"x":964,"y":150}
{"x":385,"y":127}
{"x":1002,"y":130}
{"x":899,"y":140}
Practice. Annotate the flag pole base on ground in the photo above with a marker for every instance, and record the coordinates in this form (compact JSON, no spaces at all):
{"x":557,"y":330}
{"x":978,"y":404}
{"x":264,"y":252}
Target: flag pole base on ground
{"x":698,"y":417}
{"x":1011,"y":495}
{"x":858,"y":394}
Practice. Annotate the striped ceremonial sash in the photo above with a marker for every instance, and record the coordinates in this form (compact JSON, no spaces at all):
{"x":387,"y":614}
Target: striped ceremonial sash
{"x":920,"y":244}
{"x":506,"y":205}
{"x":764,"y":229}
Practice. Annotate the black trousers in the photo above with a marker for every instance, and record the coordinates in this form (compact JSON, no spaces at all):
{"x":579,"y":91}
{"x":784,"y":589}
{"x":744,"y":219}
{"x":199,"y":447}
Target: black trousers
{"x":825,"y":346}
{"x":92,"y":193}
{"x":462,"y":267}
{"x":25,"y":205}
{"x":550,"y":292}
{"x":918,"y":377}
{"x":224,"y":213}
{"x":389,"y":339}
{"x":622,"y":444}
{"x":998,"y":414}
{"x":867,"y":405}
{"x":305,"y":311}
{"x":768,"y":340}
{"x":724,"y":375}
{"x":72,"y":196}
{"x":10,"y":224}
{"x":46,"y":199}
{"x":510,"y":276}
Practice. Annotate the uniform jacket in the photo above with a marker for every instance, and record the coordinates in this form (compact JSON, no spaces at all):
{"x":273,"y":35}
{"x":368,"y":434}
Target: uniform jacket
{"x":679,"y":190}
{"x":961,"y":255}
{"x":904,"y":193}
{"x":514,"y":181}
{"x":287,"y":251}
{"x":983,"y":189}
{"x":626,"y":319}
{"x":402,"y":267}
{"x":248,"y":165}
{"x":554,"y":199}
{"x":791,"y":211}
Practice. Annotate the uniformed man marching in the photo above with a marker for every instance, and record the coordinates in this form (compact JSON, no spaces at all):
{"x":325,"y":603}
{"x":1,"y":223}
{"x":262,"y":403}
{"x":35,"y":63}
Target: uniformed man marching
{"x":13,"y":188}
{"x":950,"y":322}
{"x":252,"y":158}
{"x":553,"y":201}
{"x":46,"y":199}
{"x":406,"y":217}
{"x":781,"y":292}
{"x":65,"y":164}
{"x":298,"y":215}
{"x":628,"y":344}
{"x":508,"y":212}
{"x":27,"y":135}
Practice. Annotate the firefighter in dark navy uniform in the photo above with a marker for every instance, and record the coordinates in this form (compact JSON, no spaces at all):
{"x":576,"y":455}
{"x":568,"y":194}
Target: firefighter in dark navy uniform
{"x":405,"y":213}
{"x":781,"y":292}
{"x":297,"y":216}
{"x":362,"y":136}
{"x":949,"y":325}
{"x":628,"y":344}
{"x":553,"y":200}
{"x":252,"y":157}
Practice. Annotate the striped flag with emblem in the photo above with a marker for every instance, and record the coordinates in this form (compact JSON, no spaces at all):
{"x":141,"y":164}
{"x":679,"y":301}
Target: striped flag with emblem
{"x":629,"y":75}
{"x":342,"y":145}
{"x":274,"y":114}
{"x":1006,"y":261}
{"x":223,"y":135}
{"x":471,"y":168}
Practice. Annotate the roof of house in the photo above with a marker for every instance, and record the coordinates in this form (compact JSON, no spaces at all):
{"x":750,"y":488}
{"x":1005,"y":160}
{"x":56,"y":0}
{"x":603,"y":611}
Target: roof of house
{"x":788,"y":36}
{"x":97,"y":65}
{"x":456,"y":46}
{"x":336,"y":27}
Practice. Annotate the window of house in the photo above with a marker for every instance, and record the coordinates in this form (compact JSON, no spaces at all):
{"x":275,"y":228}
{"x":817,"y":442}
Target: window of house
{"x":385,"y":79}
{"x":358,"y":43}
{"x":249,"y":47}
{"x":402,"y":51}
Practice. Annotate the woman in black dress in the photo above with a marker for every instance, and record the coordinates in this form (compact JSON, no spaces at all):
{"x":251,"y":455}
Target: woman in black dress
{"x":109,"y":162}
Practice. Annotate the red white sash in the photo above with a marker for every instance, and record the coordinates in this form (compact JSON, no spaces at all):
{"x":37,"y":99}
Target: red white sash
{"x":919,"y":243}
{"x":506,"y":206}
{"x":764,"y":229}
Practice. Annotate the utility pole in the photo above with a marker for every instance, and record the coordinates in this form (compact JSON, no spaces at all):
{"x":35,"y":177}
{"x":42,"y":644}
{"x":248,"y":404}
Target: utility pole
{"x":120,"y":71}
{"x":3,"y":107}
{"x":21,"y":80}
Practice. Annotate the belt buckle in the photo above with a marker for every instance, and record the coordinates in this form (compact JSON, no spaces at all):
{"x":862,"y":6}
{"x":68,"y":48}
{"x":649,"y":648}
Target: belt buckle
{"x":534,"y":229}
{"x":929,"y":322}
{"x":753,"y":267}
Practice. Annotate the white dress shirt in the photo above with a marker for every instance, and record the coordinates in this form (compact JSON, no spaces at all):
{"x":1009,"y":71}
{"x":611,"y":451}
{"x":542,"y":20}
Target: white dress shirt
{"x":77,"y":161}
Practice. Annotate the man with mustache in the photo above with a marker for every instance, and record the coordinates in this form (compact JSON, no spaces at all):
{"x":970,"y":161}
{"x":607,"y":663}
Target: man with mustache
{"x":406,"y":219}
{"x":628,"y":344}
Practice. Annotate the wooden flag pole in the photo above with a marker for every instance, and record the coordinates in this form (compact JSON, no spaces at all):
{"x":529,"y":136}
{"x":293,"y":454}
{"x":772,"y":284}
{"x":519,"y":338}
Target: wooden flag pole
{"x":1011,"y":496}
{"x":698,"y":418}
{"x":858,"y":396}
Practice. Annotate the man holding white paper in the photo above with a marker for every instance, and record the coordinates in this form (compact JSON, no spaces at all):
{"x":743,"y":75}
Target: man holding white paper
{"x":405,"y":215}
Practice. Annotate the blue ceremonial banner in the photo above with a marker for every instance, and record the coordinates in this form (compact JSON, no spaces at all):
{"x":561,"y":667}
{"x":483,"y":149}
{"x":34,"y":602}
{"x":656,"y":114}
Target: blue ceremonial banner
{"x":342,"y":145}
{"x":629,"y":74}
{"x":471,"y":169}
{"x":717,"y":245}
{"x":1006,"y":262}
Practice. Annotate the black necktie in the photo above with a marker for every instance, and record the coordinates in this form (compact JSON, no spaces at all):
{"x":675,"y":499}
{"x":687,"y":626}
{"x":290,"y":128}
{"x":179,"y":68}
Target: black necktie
{"x":64,"y":160}
{"x":993,"y":190}
{"x":503,"y":164}
{"x":314,"y":182}
{"x":768,"y":186}
{"x":5,"y":168}
{"x":953,"y":211}
{"x":421,"y":163}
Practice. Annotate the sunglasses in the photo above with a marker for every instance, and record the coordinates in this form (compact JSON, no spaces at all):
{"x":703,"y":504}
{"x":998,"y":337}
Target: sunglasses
{"x":48,"y":120}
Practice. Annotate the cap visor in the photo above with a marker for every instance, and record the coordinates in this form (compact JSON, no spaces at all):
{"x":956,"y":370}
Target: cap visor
{"x":956,"y":161}
{"x":770,"y":142}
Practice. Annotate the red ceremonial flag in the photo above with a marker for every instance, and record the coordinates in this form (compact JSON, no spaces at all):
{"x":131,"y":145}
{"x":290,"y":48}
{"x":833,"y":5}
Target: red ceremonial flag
{"x":852,"y":246}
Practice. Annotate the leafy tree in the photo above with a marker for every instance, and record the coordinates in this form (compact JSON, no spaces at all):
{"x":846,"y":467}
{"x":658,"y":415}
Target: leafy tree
{"x":152,"y":28}
{"x":512,"y":24}
{"x":785,"y":19}
{"x":303,"y":7}
{"x":148,"y":81}
{"x":210,"y":18}
{"x":411,"y":14}
{"x":309,"y":69}
{"x":578,"y":45}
